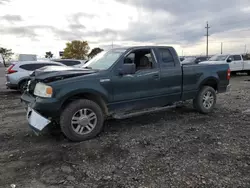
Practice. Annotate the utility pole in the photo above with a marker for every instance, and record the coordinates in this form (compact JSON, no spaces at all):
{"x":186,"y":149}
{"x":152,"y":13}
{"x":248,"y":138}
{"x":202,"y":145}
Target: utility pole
{"x":112,"y":44}
{"x":221,"y":46}
{"x":245,"y":48}
{"x":207,"y":27}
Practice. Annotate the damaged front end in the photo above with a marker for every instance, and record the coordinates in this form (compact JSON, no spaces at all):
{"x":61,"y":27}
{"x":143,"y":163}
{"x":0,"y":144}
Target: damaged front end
{"x":36,"y":121}
{"x":41,"y":109}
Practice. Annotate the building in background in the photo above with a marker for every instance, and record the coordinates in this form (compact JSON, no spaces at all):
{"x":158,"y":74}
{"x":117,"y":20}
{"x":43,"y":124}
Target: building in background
{"x":27,"y":57}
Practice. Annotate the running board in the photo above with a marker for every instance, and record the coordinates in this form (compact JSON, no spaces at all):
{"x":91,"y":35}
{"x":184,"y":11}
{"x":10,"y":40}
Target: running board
{"x":142,"y":112}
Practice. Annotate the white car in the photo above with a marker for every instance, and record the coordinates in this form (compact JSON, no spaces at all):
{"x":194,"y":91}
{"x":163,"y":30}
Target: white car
{"x":18,"y":73}
{"x":235,"y":61}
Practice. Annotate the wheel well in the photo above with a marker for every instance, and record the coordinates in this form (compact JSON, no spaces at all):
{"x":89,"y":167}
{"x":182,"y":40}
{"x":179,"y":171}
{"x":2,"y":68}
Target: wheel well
{"x":22,"y":81}
{"x":93,"y":97}
{"x":212,"y":83}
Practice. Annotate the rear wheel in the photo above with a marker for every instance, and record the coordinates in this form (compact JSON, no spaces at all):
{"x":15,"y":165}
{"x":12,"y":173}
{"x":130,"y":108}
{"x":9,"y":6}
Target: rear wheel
{"x":22,"y":86}
{"x":205,"y":100}
{"x":81,"y":120}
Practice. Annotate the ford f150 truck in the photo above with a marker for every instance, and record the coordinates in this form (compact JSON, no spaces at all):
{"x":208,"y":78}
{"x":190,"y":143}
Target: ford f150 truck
{"x":236,"y":62}
{"x":119,"y":83}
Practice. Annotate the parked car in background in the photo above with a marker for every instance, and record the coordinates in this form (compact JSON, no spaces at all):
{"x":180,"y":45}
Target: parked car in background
{"x":17,"y":74}
{"x":235,"y":61}
{"x":71,"y":62}
{"x":194,"y":60}
{"x":119,"y":83}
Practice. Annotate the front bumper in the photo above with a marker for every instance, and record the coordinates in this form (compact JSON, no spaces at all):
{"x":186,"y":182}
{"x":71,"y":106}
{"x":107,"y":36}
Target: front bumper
{"x":47,"y":107}
{"x":36,"y":121}
{"x":40,"y":112}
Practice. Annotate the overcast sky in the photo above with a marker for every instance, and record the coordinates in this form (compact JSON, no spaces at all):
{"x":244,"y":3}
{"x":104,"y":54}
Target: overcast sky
{"x":37,"y":26}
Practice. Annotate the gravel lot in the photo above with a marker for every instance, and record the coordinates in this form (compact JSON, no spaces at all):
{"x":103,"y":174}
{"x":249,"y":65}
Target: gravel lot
{"x":176,"y":148}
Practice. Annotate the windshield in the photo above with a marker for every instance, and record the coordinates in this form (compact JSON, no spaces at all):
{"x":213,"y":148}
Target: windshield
{"x":188,"y":60}
{"x":104,"y":60}
{"x":218,"y":58}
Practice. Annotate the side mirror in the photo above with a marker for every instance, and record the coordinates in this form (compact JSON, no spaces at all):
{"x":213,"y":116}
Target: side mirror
{"x":127,"y":69}
{"x":229,"y":60}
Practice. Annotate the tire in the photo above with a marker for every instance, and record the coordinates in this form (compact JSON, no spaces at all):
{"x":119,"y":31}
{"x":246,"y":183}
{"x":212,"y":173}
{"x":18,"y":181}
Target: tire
{"x":82,"y":108}
{"x":22,"y":86}
{"x":248,"y":73}
{"x":199,"y":103}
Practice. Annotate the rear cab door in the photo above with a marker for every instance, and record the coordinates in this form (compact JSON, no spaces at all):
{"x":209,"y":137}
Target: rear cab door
{"x":170,"y":73}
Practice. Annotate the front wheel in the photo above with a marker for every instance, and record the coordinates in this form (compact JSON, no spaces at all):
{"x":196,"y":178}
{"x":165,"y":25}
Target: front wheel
{"x":205,"y":100}
{"x":81,"y":120}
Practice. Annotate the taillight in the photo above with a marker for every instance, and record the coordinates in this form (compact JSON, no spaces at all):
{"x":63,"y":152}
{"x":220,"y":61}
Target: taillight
{"x":10,"y":70}
{"x":228,"y":74}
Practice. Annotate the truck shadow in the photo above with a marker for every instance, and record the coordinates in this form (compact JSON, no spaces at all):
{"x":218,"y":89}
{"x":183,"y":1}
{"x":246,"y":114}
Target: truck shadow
{"x":150,"y":119}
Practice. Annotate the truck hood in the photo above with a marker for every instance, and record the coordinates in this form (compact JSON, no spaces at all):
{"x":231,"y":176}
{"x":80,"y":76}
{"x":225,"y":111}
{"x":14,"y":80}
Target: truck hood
{"x":53,"y":73}
{"x":212,"y":62}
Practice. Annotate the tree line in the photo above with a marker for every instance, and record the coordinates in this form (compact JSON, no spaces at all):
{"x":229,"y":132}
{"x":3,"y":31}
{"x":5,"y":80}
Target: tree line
{"x":75,"y":49}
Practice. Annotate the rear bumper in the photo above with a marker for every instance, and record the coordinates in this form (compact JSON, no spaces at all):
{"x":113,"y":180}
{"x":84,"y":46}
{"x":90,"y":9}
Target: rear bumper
{"x":11,"y":81}
{"x":11,"y":86}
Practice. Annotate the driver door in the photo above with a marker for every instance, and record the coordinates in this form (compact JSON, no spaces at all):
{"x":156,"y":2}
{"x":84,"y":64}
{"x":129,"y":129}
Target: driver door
{"x":139,"y":86}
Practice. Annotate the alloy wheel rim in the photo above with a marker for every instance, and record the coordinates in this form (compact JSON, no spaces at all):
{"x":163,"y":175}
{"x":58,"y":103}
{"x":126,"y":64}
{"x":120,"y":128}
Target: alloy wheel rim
{"x":208,"y":100}
{"x":84,"y":121}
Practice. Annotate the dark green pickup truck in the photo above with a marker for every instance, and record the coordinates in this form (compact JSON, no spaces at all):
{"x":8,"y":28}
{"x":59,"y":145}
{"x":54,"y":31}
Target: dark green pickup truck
{"x":119,"y":83}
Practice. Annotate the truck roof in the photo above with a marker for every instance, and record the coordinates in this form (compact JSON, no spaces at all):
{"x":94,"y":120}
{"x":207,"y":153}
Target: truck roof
{"x":140,"y":47}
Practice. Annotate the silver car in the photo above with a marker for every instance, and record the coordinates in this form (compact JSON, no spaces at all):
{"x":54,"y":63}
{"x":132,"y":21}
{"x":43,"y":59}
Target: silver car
{"x":17,"y":74}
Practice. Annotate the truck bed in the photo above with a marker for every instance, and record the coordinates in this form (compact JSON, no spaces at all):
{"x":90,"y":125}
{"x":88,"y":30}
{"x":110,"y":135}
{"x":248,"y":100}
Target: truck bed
{"x":194,"y":74}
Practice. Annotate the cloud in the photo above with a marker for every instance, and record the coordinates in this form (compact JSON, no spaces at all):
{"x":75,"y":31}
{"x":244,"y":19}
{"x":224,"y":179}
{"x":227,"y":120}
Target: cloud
{"x":131,"y":22}
{"x":78,"y":15}
{"x":11,"y":18}
{"x":2,"y":2}
{"x":24,"y":31}
{"x":76,"y":26}
{"x":188,"y":19}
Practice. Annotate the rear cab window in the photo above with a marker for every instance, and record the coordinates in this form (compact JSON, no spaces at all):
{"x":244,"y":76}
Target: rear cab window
{"x":165,"y":57}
